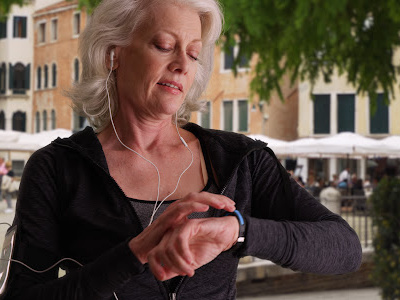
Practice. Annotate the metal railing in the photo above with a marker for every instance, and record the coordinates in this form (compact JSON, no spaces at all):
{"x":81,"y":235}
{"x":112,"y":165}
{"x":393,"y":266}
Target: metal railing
{"x":356,"y":210}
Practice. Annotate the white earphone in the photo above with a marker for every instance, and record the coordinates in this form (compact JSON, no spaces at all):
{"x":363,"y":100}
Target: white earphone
{"x":112,"y":58}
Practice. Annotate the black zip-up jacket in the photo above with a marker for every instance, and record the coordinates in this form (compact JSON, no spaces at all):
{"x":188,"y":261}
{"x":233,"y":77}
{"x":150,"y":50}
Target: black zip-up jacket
{"x":70,"y":207}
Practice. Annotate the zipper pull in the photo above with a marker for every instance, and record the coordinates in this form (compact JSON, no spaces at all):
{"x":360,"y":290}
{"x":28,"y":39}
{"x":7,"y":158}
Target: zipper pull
{"x":172,"y":296}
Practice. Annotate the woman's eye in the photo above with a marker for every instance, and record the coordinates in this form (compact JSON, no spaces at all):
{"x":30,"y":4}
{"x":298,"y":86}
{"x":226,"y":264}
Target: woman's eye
{"x":193,"y":57}
{"x":162,"y":49}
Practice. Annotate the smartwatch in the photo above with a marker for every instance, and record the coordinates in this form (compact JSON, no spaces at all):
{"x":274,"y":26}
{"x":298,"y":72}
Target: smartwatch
{"x":242,"y":229}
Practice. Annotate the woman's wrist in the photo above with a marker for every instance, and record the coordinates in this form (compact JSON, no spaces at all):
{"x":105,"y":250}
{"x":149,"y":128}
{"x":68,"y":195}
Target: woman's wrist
{"x":135,"y":248}
{"x":241,"y":229}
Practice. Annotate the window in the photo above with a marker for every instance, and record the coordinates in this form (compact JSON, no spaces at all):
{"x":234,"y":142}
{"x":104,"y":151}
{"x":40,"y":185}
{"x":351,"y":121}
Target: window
{"x":228,"y":115}
{"x":39,"y":78}
{"x":37,"y":121}
{"x":77,"y":24}
{"x":205,"y":116}
{"x":2,"y":120}
{"x":46,"y":76}
{"x":53,"y":119}
{"x":54,"y":75}
{"x":243,"y":115}
{"x":379,"y":122}
{"x":79,"y":122}
{"x":235,"y":115}
{"x":19,"y":28}
{"x":18,"y":167}
{"x":19,"y":78}
{"x":76,"y":70}
{"x":3,"y":73}
{"x":322,"y":113}
{"x":19,"y":121}
{"x":44,"y":120}
{"x":346,"y":112}
{"x":42,"y":33}
{"x":3,"y":29}
{"x":54,"y":30}
{"x":229,"y":58}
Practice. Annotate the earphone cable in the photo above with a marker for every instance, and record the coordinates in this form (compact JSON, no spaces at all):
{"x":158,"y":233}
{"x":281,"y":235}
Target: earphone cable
{"x":156,"y":205}
{"x":49,"y":268}
{"x":179,"y":179}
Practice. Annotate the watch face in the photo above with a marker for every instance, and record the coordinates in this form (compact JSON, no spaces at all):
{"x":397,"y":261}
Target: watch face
{"x":5,"y":260}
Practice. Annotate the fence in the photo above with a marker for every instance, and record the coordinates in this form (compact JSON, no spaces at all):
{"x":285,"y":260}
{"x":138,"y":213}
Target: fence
{"x":356,"y":210}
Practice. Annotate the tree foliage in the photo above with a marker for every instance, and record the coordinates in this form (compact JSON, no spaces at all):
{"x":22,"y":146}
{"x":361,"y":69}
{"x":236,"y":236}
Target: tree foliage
{"x":386,"y":219}
{"x":5,"y":6}
{"x":309,"y":38}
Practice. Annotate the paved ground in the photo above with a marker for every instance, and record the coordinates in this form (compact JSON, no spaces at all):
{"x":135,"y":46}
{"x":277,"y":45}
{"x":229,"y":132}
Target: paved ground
{"x":355,"y":294}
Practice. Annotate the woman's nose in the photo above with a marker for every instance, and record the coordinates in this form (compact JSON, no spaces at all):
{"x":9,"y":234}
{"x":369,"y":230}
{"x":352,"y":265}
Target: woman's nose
{"x":180,"y":63}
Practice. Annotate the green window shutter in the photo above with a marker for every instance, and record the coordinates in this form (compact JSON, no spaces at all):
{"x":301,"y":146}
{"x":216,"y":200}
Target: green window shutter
{"x":3,"y":74}
{"x":228,"y":59}
{"x":11,"y":77}
{"x":23,"y":27}
{"x":205,"y":116}
{"x":54,"y":75}
{"x":379,"y":122}
{"x":27,"y":77}
{"x":322,"y":114}
{"x":346,"y":112}
{"x":243,"y":115}
{"x":228,"y":115}
{"x":3,"y":29}
{"x":15,"y":26}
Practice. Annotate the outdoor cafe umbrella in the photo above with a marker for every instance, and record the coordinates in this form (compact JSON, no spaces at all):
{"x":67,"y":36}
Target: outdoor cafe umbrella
{"x":344,"y":144}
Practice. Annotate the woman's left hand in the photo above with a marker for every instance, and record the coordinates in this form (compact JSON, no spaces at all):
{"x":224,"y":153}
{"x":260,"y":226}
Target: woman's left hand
{"x":191,"y":245}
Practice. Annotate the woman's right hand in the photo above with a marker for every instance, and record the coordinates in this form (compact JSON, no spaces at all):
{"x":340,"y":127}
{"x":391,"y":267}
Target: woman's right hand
{"x":174,"y":215}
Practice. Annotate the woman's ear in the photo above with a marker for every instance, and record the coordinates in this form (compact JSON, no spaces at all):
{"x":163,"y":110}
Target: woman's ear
{"x":112,"y":58}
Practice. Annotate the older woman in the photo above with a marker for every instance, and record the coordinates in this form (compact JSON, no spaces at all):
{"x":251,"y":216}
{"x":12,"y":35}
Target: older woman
{"x":141,"y":208}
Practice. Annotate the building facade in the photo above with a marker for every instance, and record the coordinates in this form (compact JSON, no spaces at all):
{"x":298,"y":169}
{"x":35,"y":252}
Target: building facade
{"x":337,"y":107}
{"x":16,"y":61}
{"x":229,"y":106}
{"x":56,"y":65}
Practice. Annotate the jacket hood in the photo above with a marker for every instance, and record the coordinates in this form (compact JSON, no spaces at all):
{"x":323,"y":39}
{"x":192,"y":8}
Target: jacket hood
{"x":225,"y":150}
{"x":87,"y":144}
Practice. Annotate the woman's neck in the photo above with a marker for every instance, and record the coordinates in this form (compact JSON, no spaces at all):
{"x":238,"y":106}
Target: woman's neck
{"x":140,"y":135}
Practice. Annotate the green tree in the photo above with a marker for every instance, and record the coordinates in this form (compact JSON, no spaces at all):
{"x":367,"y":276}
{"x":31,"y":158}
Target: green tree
{"x":5,"y":6}
{"x":309,"y":38}
{"x":386,"y":220}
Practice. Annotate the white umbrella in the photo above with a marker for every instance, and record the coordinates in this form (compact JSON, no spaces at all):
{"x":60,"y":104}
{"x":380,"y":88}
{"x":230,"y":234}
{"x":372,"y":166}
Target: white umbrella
{"x":8,"y":136}
{"x":352,"y":144}
{"x":30,"y":142}
{"x":276,"y":145}
{"x":391,"y":145}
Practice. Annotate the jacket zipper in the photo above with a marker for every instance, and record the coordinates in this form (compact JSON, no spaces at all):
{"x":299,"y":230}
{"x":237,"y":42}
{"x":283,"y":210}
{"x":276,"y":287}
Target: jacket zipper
{"x":173,"y":295}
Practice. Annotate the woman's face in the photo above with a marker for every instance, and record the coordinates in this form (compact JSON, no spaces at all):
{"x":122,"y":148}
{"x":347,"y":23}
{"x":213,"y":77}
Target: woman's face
{"x":155,"y":72}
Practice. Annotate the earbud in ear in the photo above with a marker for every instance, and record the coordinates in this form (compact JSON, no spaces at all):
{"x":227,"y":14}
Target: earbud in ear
{"x":112,"y":58}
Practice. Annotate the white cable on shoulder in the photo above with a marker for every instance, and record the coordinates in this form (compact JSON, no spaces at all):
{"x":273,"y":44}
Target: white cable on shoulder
{"x":156,"y":207}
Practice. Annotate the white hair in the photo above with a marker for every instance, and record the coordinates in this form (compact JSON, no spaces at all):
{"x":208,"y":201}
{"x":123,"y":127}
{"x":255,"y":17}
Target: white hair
{"x":112,"y":24}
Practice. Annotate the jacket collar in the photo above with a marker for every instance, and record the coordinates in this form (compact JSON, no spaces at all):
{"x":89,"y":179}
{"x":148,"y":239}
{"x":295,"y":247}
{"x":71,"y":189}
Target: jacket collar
{"x":225,"y":150}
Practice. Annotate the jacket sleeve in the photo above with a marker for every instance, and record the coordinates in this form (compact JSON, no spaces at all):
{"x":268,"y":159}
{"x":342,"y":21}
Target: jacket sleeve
{"x":38,"y":245}
{"x":314,"y":240}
